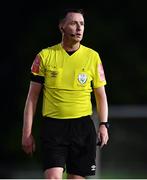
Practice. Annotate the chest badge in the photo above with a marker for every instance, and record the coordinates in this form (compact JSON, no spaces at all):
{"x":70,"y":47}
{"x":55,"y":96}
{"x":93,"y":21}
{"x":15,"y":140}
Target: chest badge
{"x":82,"y":78}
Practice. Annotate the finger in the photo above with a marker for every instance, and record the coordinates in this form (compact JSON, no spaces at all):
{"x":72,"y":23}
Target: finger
{"x":104,"y":140}
{"x":27,"y":149}
{"x":99,"y":136}
{"x":100,"y":139}
{"x":102,"y":144}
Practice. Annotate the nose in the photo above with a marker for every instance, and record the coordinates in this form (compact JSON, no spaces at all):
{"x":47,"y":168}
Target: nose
{"x":78,"y":27}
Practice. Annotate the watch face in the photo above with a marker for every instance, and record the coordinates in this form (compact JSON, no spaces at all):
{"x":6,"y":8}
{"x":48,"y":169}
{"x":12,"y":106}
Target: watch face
{"x":107,"y":125}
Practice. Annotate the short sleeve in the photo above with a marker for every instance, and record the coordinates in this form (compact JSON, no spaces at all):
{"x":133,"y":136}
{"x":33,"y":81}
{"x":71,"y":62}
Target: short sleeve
{"x":37,"y":67}
{"x":98,"y":72}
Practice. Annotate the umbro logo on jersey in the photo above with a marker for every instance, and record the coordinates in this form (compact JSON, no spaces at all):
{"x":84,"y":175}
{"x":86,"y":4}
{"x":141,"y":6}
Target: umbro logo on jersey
{"x":93,"y":167}
{"x":54,"y":73}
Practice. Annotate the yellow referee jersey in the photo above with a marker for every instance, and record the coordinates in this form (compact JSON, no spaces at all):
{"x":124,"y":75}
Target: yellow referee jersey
{"x":68,"y":80}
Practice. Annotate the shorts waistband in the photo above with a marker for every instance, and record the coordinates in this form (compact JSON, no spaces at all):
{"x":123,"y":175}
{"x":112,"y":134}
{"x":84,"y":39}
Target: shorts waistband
{"x":68,"y":119}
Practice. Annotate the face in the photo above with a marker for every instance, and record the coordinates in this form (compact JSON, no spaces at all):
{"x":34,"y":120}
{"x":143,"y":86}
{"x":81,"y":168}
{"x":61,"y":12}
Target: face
{"x":73,"y":26}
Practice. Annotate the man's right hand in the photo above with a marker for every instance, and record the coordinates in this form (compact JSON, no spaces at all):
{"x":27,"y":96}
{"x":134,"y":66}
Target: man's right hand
{"x":28,"y":144}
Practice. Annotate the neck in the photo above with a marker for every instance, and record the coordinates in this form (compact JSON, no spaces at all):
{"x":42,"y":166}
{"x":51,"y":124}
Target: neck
{"x":69,"y":46}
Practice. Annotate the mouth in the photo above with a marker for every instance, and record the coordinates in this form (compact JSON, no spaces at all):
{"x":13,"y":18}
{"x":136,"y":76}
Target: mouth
{"x":78,"y":34}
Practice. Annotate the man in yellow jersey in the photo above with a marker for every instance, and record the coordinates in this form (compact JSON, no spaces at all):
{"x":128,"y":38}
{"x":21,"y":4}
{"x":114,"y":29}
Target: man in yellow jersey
{"x":68,"y":72}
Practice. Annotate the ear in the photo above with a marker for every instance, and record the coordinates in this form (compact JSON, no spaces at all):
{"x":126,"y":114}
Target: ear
{"x":60,"y":28}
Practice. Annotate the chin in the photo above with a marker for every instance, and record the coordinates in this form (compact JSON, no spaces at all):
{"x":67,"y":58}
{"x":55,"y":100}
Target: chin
{"x":78,"y":39}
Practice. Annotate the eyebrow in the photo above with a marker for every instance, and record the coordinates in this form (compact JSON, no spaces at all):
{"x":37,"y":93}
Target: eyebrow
{"x":78,"y":21}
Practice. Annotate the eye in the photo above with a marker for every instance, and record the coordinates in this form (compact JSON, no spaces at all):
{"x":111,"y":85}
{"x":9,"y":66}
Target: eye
{"x":73,"y":23}
{"x":82,"y":23}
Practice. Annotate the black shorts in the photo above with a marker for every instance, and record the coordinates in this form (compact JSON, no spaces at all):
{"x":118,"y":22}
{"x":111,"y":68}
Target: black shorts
{"x":69,"y":143}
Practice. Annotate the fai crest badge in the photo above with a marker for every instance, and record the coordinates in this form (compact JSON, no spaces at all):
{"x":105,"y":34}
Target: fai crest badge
{"x":82,"y":78}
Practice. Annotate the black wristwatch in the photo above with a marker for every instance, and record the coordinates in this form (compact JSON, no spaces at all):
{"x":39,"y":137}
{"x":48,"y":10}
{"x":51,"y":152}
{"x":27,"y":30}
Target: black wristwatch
{"x":107,"y":125}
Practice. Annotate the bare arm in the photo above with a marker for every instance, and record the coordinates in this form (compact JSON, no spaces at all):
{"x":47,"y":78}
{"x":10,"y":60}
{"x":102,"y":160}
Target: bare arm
{"x":28,"y":142}
{"x":102,"y":110}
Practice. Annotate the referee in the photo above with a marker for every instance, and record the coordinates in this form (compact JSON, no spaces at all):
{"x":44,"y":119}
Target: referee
{"x":68,"y":72}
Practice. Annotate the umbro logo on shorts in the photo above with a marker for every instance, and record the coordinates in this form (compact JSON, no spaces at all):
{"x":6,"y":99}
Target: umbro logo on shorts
{"x":93,"y":167}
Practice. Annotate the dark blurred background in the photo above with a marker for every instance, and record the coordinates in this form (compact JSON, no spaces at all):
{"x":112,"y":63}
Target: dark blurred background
{"x":117,"y":30}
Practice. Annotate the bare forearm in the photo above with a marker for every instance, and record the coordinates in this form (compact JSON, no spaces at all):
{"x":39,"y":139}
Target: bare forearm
{"x":30,"y":107}
{"x":102,"y":109}
{"x":29,"y":112}
{"x":101,"y":104}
